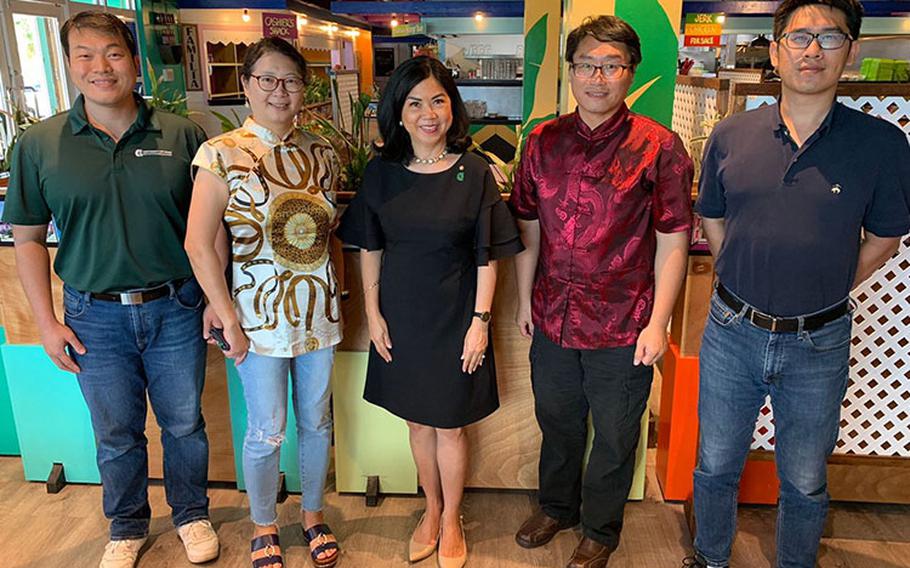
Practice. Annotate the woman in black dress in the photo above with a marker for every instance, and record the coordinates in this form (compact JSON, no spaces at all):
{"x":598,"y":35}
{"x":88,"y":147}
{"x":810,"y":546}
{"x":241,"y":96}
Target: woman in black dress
{"x":431,"y":224}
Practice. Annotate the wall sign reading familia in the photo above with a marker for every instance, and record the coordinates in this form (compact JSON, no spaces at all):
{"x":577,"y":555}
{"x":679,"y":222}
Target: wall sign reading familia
{"x":275,"y":24}
{"x":597,"y":223}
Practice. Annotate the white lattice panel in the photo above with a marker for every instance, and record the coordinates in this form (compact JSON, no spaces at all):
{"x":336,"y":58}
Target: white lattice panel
{"x":875,"y":417}
{"x":892,"y":109}
{"x":348,"y":88}
{"x":691,"y":105}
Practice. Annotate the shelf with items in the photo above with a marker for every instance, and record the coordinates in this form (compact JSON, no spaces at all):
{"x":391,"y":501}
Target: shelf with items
{"x":224,"y":63}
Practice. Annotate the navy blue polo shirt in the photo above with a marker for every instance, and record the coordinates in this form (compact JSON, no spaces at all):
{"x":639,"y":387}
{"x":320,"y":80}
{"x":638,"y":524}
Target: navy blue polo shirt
{"x":793,"y":215}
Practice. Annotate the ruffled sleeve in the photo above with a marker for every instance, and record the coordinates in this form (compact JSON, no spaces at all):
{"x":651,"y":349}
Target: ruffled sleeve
{"x":496,"y":235}
{"x":360,"y":224}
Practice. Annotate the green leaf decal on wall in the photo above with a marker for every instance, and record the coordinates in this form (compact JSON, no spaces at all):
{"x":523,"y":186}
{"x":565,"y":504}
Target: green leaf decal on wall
{"x":535,"y":48}
{"x":659,"y":45}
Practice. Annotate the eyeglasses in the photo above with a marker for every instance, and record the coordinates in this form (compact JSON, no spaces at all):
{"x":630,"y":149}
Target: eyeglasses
{"x":826,"y":40}
{"x":608,"y":70}
{"x":268,"y":83}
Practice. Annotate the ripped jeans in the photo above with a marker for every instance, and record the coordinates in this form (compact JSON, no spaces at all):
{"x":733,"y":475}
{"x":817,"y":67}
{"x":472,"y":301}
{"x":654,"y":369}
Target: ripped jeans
{"x":265,"y":389}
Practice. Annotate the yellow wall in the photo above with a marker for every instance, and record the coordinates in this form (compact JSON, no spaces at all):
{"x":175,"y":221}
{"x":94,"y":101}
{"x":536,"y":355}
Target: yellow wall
{"x":363,"y":50}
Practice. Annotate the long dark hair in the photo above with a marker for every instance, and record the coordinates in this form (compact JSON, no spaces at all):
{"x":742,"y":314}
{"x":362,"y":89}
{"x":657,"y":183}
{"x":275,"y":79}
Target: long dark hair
{"x":396,"y":143}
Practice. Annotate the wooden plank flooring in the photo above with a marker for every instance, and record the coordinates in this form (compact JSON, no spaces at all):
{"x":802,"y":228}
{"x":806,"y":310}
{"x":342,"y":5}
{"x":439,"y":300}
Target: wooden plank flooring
{"x":67,"y":530}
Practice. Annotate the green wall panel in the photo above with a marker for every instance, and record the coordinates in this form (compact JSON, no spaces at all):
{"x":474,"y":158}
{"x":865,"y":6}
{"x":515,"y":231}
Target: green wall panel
{"x":51,"y":417}
{"x":9,"y":442}
{"x":368,"y":439}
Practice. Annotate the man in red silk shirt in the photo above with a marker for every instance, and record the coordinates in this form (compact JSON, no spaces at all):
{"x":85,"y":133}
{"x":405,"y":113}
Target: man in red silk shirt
{"x":603,"y":201}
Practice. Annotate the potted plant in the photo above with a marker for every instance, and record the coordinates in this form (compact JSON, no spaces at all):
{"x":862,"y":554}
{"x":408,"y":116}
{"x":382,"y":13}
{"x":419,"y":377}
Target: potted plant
{"x":12,"y":124}
{"x":353,"y":148}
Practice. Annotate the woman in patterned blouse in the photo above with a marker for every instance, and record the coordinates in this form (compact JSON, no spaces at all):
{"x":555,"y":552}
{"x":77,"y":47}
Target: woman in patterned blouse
{"x":272,"y":185}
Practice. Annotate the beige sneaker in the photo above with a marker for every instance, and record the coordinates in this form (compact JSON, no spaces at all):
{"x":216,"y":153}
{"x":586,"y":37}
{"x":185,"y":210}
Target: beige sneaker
{"x":122,"y":553}
{"x":199,"y":540}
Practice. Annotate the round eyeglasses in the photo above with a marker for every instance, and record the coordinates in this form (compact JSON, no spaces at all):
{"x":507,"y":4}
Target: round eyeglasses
{"x":826,"y":40}
{"x":268,"y":83}
{"x":608,"y":70}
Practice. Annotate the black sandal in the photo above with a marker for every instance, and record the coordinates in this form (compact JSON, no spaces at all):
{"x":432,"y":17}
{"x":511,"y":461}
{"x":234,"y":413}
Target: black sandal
{"x":318,"y":534}
{"x":272,"y":551}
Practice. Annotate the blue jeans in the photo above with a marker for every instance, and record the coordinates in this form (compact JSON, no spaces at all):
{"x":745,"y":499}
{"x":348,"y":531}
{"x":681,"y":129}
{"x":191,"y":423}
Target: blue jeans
{"x":157,"y":349}
{"x":265,"y":389}
{"x":805,"y":373}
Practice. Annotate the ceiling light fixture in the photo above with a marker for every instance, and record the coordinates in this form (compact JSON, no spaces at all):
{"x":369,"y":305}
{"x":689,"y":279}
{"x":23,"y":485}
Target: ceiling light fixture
{"x":245,"y":16}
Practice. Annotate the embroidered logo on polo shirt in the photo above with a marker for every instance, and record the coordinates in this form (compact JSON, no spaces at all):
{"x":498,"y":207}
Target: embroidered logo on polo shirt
{"x":160,"y":153}
{"x":836,"y":189}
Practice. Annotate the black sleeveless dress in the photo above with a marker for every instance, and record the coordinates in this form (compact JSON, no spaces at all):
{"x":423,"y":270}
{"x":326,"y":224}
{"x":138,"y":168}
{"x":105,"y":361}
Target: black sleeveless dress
{"x":434,"y":230}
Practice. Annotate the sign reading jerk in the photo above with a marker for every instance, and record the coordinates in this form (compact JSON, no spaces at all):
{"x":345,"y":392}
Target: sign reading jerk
{"x":703,"y":30}
{"x":275,"y":24}
{"x":403,"y":30}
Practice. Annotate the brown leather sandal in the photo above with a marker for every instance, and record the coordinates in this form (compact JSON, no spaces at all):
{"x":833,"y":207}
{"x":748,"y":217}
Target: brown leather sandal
{"x":265,"y":551}
{"x":317,"y":534}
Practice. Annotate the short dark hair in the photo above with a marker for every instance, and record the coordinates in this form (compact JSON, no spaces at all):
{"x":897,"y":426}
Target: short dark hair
{"x":271,"y":45}
{"x":100,"y":22}
{"x":852,"y":9}
{"x":606,"y":29}
{"x":396,"y":143}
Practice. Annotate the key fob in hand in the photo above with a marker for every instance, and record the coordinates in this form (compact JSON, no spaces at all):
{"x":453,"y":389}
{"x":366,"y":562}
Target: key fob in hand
{"x":218,"y":335}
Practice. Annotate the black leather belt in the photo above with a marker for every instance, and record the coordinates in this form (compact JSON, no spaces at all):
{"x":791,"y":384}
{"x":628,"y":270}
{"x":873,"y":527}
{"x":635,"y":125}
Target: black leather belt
{"x":139,"y":297}
{"x":783,"y":325}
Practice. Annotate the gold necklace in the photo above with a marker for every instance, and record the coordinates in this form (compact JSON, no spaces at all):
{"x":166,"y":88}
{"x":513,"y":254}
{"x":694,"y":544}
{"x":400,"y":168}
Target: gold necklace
{"x":430,"y":161}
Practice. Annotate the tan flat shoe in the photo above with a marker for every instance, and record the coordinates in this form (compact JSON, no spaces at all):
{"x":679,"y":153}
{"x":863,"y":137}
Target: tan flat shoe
{"x":417,"y":551}
{"x":457,"y":561}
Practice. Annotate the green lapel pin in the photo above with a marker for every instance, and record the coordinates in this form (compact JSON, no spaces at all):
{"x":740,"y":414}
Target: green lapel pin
{"x":460,"y":176}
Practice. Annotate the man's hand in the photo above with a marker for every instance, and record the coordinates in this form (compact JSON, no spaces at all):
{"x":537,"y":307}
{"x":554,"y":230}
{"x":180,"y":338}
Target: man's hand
{"x":523,"y":320}
{"x":652,"y":343}
{"x":55,"y":337}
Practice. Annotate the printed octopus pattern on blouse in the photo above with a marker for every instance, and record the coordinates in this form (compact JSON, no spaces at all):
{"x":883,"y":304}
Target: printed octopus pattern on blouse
{"x":280,"y":215}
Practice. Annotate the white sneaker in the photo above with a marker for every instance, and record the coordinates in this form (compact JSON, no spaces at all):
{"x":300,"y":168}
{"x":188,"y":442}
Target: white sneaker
{"x":199,"y":540}
{"x":122,"y":553}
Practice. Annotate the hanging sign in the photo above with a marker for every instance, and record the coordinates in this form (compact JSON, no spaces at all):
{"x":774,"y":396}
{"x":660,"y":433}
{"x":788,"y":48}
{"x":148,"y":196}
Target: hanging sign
{"x":404,"y":30}
{"x":703,"y":30}
{"x":276,"y":24}
{"x":192,"y":71}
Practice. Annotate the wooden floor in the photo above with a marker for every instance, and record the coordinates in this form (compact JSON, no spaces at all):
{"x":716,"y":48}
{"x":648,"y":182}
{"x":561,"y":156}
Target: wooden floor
{"x":67,"y":530}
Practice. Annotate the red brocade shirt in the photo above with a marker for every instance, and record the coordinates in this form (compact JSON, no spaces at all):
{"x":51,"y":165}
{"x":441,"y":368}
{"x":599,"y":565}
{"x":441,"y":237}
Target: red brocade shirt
{"x":600,"y":195}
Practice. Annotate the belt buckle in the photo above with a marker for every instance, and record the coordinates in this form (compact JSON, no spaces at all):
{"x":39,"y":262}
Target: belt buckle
{"x":766,"y":316}
{"x":130,"y":298}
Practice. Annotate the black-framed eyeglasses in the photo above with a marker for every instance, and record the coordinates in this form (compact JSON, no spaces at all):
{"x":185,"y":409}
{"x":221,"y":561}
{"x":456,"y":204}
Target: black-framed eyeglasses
{"x":268,"y":83}
{"x":608,"y":70}
{"x":826,"y":40}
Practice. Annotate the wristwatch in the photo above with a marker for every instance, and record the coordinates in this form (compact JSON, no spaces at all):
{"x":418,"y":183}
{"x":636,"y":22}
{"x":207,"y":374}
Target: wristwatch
{"x":484,"y":316}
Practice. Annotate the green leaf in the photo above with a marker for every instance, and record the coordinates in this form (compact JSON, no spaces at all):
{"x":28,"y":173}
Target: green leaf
{"x":535,"y":48}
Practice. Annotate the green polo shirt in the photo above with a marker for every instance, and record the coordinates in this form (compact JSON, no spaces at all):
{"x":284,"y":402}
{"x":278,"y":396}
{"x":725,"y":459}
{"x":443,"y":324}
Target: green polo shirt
{"x":120,"y":207}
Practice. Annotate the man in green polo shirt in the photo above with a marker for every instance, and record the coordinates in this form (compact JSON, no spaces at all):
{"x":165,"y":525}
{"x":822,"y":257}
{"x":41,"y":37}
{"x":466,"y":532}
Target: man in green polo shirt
{"x":115,"y":175}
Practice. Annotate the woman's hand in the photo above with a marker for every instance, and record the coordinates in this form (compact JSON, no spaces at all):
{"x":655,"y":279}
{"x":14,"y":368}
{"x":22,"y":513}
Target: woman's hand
{"x":475,"y":346}
{"x":379,"y":335}
{"x":209,"y":320}
{"x":238,"y":342}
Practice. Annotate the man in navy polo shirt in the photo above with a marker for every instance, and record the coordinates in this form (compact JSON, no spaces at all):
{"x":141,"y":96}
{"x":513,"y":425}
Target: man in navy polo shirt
{"x":801,"y":201}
